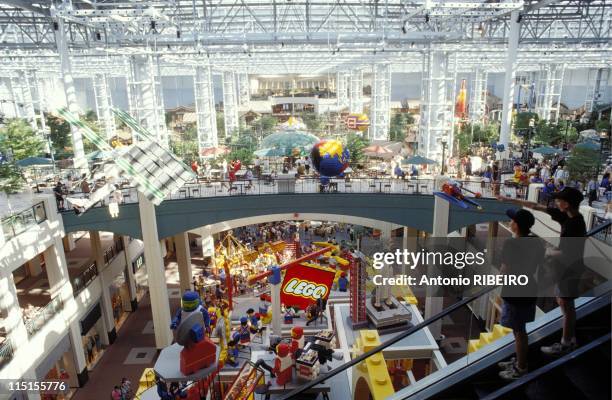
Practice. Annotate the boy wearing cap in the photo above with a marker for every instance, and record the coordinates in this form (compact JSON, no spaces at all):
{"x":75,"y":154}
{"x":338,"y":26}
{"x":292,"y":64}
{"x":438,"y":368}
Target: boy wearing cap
{"x":519,"y":302}
{"x":569,"y":257}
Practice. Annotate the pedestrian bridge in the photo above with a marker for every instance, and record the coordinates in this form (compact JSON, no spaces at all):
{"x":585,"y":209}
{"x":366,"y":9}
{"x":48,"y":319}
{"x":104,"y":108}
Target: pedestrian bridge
{"x":403,"y":202}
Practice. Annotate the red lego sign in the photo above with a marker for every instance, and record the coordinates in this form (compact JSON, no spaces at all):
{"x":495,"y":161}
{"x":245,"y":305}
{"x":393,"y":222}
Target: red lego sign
{"x":304,"y":285}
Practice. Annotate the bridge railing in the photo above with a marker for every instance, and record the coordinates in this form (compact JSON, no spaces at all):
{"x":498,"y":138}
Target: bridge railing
{"x":267,"y":186}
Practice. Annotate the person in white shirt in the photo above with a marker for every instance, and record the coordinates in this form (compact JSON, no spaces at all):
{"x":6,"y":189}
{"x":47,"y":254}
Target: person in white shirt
{"x":545,"y":173}
{"x":560,"y":175}
{"x":224,"y":167}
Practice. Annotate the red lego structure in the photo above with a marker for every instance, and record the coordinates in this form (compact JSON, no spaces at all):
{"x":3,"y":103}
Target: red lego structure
{"x":197,"y":356}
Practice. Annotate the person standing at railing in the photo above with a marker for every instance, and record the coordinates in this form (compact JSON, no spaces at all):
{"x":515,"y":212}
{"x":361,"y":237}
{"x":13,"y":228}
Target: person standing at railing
{"x":592,"y":190}
{"x":58,"y":191}
{"x":519,"y":307}
{"x":568,"y":260}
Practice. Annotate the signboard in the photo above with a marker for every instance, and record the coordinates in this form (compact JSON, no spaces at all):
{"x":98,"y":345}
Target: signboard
{"x":304,"y":285}
{"x":137,"y":263}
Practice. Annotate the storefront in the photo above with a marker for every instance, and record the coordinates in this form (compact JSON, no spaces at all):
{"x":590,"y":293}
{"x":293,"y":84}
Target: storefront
{"x":120,"y":298}
{"x":59,"y":364}
{"x":140,"y":276}
{"x":92,"y":326}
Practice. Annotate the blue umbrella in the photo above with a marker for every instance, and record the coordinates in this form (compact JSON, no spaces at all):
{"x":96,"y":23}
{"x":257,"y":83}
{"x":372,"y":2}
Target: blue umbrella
{"x":546,"y":150}
{"x":32,"y":161}
{"x":418,"y":160}
{"x":100,"y":155}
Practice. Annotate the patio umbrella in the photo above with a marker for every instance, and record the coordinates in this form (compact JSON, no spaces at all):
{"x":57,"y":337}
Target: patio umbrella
{"x":34,"y":161}
{"x":284,"y":144}
{"x":376,"y":150}
{"x":214,"y":151}
{"x":546,"y":150}
{"x":417,"y":160}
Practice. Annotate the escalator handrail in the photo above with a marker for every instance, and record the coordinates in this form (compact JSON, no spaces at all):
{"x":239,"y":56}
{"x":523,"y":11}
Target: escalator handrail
{"x":525,"y":379}
{"x":386,"y":344}
{"x":599,"y":228}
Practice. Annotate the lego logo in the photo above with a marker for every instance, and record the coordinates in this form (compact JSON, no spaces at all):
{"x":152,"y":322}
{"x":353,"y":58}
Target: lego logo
{"x":298,"y":287}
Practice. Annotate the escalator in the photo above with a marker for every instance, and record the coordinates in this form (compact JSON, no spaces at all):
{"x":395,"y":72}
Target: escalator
{"x":479,"y":378}
{"x":475,"y":375}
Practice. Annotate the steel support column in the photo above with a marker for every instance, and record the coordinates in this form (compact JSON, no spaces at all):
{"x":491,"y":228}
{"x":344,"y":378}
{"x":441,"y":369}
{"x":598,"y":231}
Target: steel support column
{"x":437,"y":106}
{"x":478,"y":96}
{"x":511,"y":65}
{"x":380,"y":105}
{"x":597,"y":84}
{"x":104,"y":104}
{"x":548,"y":92}
{"x":230,"y":105}
{"x":342,"y":90}
{"x":244,"y":91}
{"x":61,"y":40}
{"x":206,"y":118}
{"x":356,"y":92}
{"x":146,"y":101}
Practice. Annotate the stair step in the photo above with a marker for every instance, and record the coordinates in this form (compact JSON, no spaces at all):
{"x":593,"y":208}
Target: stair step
{"x":500,"y":331}
{"x":486,"y":338}
{"x":473,"y":345}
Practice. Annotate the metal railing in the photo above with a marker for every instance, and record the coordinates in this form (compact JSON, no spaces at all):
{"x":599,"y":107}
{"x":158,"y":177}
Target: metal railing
{"x":19,"y":222}
{"x":113,"y":251}
{"x":6,"y":352}
{"x":601,"y":229}
{"x":37,"y":321}
{"x":312,"y":185}
{"x":81,"y":281}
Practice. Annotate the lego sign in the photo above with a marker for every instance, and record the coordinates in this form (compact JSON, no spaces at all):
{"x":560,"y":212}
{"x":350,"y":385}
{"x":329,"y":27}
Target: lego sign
{"x":304,"y":285}
{"x":351,"y":122}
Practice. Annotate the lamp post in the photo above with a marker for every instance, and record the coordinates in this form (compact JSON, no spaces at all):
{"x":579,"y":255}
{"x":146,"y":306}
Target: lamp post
{"x":443,"y":143}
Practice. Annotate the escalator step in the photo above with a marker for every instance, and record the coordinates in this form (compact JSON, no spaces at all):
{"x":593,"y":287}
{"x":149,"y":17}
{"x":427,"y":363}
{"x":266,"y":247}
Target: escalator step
{"x":591,"y":375}
{"x":554,"y":386}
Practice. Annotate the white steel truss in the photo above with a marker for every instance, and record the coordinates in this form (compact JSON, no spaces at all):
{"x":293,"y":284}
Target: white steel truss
{"x":145,"y":97}
{"x":380,"y":102}
{"x":206,"y":117}
{"x":548,"y":92}
{"x":342,"y":79}
{"x":244,"y":90}
{"x":230,"y":104}
{"x":437,"y":106}
{"x":104,"y":103}
{"x":478,"y":96}
{"x":597,"y":84}
{"x":356,"y":91}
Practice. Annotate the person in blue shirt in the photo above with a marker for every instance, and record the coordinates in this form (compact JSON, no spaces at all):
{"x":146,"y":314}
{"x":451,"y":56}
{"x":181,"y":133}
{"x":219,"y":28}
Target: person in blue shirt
{"x":398,"y":172}
{"x":342,"y":282}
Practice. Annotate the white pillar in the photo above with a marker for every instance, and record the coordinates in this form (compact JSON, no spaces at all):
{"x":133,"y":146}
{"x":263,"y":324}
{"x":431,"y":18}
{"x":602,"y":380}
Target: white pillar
{"x":380,"y":103}
{"x":158,"y":291}
{"x":478,"y":95}
{"x":230,"y":105}
{"x":206,"y":117}
{"x":434,"y":303}
{"x":80,"y":363}
{"x":131,"y":280}
{"x":183,"y":259}
{"x":27,"y":98}
{"x":106,"y":305}
{"x":71,"y":100}
{"x":11,"y":311}
{"x":509,"y":83}
{"x":104,"y":103}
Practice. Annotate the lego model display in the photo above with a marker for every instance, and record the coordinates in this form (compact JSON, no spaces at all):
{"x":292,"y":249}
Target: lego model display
{"x":243,"y":386}
{"x":452,"y":192}
{"x":283,"y":365}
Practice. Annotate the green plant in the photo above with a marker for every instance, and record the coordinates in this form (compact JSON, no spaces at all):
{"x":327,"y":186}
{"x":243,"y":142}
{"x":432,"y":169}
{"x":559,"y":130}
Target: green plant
{"x":355,"y":143}
{"x":11,"y":179}
{"x":19,"y":139}
{"x":582,"y":163}
{"x":399,"y":125}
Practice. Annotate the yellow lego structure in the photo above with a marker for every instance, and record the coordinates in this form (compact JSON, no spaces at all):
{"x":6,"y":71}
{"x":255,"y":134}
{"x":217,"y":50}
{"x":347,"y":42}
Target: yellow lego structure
{"x":371,"y":379}
{"x":488,"y":337}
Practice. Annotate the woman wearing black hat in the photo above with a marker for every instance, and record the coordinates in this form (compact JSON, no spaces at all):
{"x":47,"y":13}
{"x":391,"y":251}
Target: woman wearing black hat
{"x":569,"y":259}
{"x":520,"y":302}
